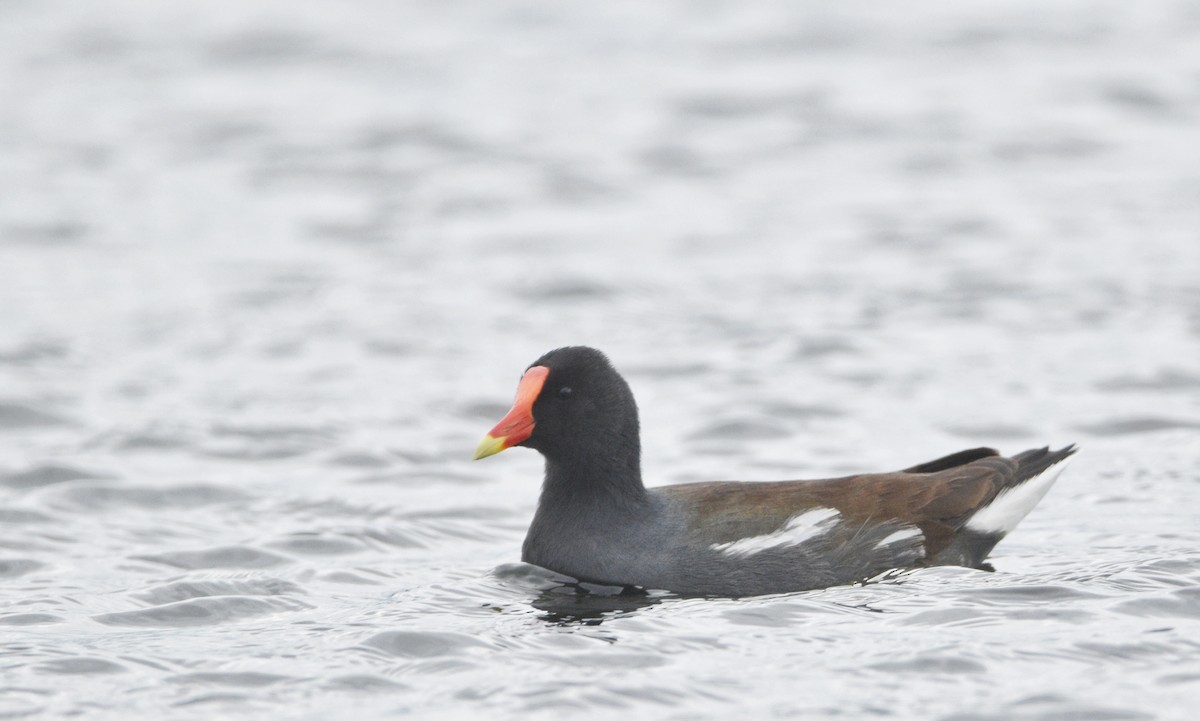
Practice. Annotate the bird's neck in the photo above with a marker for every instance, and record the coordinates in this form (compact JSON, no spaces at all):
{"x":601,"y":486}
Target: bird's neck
{"x":607,"y":479}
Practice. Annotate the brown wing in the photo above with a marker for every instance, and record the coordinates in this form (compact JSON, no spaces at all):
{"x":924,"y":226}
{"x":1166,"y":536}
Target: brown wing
{"x":938,"y":502}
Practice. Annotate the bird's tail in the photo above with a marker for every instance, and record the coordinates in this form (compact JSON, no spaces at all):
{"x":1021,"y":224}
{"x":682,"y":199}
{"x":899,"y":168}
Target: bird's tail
{"x":1037,"y":470}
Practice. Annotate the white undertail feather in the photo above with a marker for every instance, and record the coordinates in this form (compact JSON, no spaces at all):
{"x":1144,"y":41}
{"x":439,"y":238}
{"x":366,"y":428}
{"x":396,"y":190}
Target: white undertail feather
{"x":794,"y":531}
{"x":1012,"y":504}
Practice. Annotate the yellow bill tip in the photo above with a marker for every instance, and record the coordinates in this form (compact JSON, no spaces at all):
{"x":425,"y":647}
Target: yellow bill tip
{"x":489,"y":446}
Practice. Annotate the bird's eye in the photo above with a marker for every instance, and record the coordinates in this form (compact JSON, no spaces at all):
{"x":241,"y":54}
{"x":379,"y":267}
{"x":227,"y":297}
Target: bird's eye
{"x":564,"y":392}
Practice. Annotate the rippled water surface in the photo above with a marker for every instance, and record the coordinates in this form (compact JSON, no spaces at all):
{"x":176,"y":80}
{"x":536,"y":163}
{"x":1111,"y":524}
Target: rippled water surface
{"x":269,"y":270}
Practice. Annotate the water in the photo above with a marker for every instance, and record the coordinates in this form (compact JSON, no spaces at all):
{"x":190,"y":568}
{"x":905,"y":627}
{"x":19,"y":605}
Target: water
{"x":269,"y":270}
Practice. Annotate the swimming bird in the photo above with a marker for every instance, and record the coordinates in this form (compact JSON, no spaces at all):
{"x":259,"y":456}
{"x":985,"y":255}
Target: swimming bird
{"x":597,"y":522}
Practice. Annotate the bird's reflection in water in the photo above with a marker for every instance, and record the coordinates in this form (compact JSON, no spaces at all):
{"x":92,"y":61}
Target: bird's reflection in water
{"x":587,"y":604}
{"x":564,"y":601}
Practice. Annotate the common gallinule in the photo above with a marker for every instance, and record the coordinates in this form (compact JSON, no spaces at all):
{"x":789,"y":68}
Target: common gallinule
{"x":596,"y":521}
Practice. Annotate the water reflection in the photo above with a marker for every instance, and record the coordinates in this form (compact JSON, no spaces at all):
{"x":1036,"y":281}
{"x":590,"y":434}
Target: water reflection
{"x":587,"y":604}
{"x":567,"y":601}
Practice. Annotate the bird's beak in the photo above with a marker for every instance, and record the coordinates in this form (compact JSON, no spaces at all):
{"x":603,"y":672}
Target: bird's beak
{"x":518,"y":424}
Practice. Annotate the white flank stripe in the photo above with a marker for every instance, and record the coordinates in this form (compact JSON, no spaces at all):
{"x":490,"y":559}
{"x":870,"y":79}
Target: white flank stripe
{"x":1012,"y":504}
{"x":907,"y":533}
{"x":794,"y":531}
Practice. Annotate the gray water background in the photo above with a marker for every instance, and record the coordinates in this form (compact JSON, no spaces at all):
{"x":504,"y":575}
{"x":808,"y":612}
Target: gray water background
{"x":269,"y":270}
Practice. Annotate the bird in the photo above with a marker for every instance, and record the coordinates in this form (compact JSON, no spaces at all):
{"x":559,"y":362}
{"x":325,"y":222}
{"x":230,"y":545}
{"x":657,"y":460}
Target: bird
{"x":597,"y":522}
